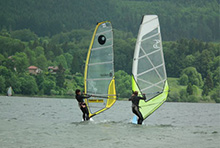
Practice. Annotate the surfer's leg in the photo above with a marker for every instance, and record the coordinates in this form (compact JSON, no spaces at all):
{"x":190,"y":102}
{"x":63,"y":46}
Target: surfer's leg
{"x":137,"y":112}
{"x":87,"y":113}
{"x":140,"y":120}
{"x":83,"y":111}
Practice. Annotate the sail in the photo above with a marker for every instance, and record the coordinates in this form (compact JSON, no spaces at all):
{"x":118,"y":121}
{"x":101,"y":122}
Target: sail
{"x":9,"y":92}
{"x":149,"y":73}
{"x":99,"y":70}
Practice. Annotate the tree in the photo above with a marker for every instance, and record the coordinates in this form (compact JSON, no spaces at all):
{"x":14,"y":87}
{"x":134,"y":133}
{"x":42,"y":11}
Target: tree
{"x":202,"y":64}
{"x":41,"y":62}
{"x":39,"y":80}
{"x":189,"y":60}
{"x":39,"y":51}
{"x":31,"y":56}
{"x":60,"y":77}
{"x":28,"y":85}
{"x":189,"y":89}
{"x":2,"y":58}
{"x":123,"y":84}
{"x":6,"y":73}
{"x":61,"y":60}
{"x":208,"y":84}
{"x":75,"y":66}
{"x":24,"y":35}
{"x":21,"y":62}
{"x":48,"y":85}
{"x":69,"y":59}
{"x":15,"y":83}
{"x":184,"y":79}
{"x":2,"y":84}
{"x":195,"y":78}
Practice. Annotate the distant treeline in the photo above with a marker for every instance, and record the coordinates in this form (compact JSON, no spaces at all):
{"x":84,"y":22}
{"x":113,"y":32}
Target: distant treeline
{"x":179,"y":19}
{"x":193,"y":62}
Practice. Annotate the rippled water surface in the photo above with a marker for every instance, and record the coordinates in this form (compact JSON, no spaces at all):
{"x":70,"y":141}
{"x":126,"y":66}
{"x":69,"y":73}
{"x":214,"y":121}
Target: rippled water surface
{"x":56,"y":123}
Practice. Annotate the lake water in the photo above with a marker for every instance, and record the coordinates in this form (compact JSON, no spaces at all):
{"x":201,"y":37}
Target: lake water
{"x":56,"y":123}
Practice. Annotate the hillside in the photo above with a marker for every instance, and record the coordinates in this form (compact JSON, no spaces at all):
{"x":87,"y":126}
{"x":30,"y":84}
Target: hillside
{"x":179,"y":19}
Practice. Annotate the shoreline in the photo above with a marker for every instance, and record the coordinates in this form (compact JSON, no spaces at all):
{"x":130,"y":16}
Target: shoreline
{"x":73,"y":97}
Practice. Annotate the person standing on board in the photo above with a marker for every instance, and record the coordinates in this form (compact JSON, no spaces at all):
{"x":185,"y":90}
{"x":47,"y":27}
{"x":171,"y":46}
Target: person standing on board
{"x":135,"y":108}
{"x":82,"y":104}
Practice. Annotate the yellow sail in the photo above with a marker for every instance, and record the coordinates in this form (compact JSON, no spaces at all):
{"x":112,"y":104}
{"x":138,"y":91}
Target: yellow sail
{"x":99,"y":70}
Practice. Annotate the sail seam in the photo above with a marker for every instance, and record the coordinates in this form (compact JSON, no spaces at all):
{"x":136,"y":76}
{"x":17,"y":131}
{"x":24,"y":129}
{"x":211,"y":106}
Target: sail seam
{"x":101,"y":47}
{"x":156,"y":85}
{"x":148,"y":54}
{"x":100,"y":63}
{"x":103,"y":32}
{"x":149,"y":37}
{"x":154,"y":68}
{"x":99,"y":79}
{"x":149,"y":21}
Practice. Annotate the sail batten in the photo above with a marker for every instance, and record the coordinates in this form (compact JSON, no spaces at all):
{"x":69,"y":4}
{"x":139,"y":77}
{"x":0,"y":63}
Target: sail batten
{"x":149,"y":72}
{"x":99,"y":70}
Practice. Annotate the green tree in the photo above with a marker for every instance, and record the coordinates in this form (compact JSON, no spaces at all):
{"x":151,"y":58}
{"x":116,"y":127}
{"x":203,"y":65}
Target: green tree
{"x":61,"y":60}
{"x":24,"y":35}
{"x":208,"y":84}
{"x":2,"y":84}
{"x":15,"y":83}
{"x":123,"y":84}
{"x":41,"y":62}
{"x":202,"y":64}
{"x":68,"y":58}
{"x":21,"y":62}
{"x":189,"y":89}
{"x":6,"y":73}
{"x":39,"y":51}
{"x":215,"y":94}
{"x":48,"y":85}
{"x":189,"y":60}
{"x":79,"y":80}
{"x":31,"y":56}
{"x":9,"y":46}
{"x":28,"y":85}
{"x":195,"y":78}
{"x":184,"y":79}
{"x":2,"y":58}
{"x":39,"y":80}
{"x":75,"y":66}
{"x":60,"y":77}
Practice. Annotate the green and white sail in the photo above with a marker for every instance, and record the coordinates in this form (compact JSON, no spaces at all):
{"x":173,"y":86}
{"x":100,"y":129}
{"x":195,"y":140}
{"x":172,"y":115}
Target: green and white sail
{"x":149,"y":72}
{"x":9,"y":92}
{"x":99,"y":70}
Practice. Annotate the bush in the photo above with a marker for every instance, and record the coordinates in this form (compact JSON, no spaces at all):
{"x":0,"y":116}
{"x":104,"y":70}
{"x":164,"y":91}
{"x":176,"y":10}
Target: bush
{"x":174,"y":97}
{"x":183,"y":95}
{"x":70,"y":92}
{"x":184,"y":80}
{"x":215,"y":94}
{"x":54,"y":92}
{"x":193,"y":98}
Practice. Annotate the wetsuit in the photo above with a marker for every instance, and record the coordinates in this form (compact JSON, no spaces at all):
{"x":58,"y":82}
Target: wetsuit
{"x":83,"y":106}
{"x":135,"y":108}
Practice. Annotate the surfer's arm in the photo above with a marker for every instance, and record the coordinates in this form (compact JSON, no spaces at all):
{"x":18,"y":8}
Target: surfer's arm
{"x":143,"y":98}
{"x":87,"y":96}
{"x":131,"y":98}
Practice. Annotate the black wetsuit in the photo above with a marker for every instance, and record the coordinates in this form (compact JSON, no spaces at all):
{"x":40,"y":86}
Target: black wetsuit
{"x":135,"y":108}
{"x":83,"y":106}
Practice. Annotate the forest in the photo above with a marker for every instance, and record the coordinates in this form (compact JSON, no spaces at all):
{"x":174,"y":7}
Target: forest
{"x":45,"y":34}
{"x":178,"y":19}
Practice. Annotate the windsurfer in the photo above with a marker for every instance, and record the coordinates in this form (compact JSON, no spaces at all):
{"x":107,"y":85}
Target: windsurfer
{"x":82,"y":104}
{"x":135,"y":108}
